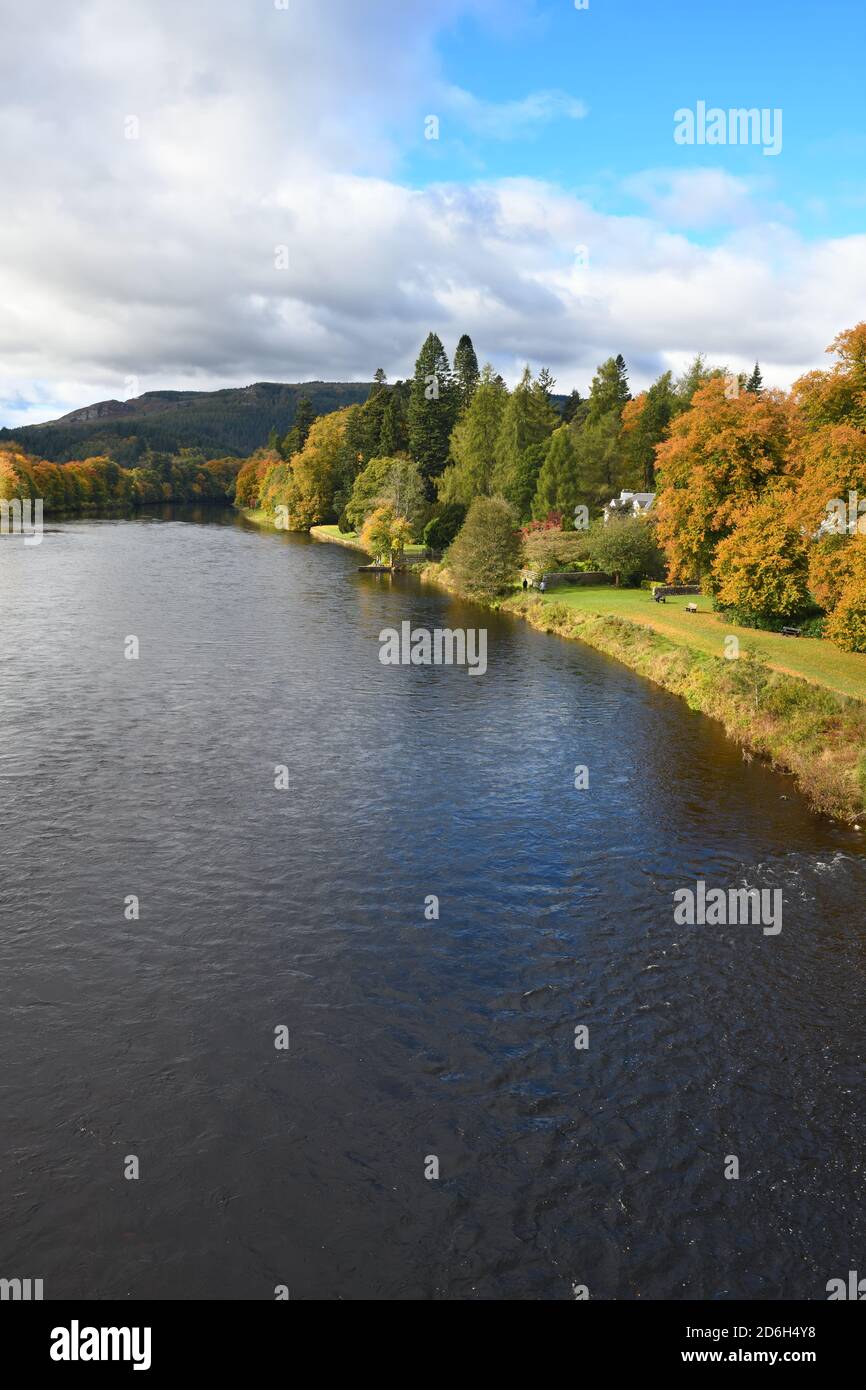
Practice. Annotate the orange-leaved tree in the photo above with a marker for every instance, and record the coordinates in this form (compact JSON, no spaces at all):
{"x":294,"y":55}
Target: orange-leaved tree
{"x":720,"y":456}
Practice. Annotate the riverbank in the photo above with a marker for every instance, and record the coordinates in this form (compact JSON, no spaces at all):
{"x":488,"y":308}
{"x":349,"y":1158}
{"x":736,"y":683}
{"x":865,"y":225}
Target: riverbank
{"x":809,"y":730}
{"x":809,"y":722}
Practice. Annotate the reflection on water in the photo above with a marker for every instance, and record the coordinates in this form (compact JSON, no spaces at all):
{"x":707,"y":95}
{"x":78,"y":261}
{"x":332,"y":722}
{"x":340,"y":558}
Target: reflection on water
{"x":409,"y":1037}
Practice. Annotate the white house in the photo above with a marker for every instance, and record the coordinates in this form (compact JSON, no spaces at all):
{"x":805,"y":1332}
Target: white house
{"x":629,"y":504}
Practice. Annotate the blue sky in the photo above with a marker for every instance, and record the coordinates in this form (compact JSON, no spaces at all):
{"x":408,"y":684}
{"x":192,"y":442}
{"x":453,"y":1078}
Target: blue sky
{"x":278,"y":213}
{"x":633,"y":64}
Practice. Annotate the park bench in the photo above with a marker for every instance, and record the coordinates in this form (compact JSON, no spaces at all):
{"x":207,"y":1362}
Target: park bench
{"x":691,"y":608}
{"x":790,"y":632}
{"x":659,"y":598}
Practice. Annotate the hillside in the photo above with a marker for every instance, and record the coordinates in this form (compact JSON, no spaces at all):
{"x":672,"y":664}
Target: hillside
{"x":236,"y":421}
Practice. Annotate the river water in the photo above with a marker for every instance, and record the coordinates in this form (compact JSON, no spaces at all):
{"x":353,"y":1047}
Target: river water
{"x":410,"y":1039}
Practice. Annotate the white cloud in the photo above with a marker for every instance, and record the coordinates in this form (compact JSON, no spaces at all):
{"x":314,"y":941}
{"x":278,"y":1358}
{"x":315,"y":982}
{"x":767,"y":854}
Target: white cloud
{"x":154,"y":257}
{"x":697,"y":199}
{"x":512,"y":120}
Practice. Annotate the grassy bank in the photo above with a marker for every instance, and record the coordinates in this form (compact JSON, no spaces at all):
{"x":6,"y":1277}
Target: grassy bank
{"x":815,"y":732}
{"x":705,"y":631}
{"x":353,"y":540}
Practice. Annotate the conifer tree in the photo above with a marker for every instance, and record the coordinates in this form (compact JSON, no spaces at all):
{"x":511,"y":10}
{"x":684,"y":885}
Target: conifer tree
{"x":473,"y":443}
{"x":466,"y":370}
{"x":433,"y":405}
{"x":558,"y":487}
{"x":755,"y":382}
{"x":527,"y":422}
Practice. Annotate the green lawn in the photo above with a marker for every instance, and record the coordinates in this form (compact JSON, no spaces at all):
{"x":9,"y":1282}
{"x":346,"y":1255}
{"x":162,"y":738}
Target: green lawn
{"x":814,"y":660}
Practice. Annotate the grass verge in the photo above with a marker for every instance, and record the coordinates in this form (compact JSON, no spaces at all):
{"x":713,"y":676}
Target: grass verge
{"x":805,"y":728}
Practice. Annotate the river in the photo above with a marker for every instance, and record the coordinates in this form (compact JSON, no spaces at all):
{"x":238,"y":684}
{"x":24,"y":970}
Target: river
{"x":411,"y":1039}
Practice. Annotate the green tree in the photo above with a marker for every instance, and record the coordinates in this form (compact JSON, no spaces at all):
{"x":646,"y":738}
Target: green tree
{"x":527,"y":422}
{"x":466,"y":370}
{"x":558,"y":488}
{"x":485,"y":556}
{"x":645,"y":423}
{"x":626,"y":548}
{"x":609,"y":390}
{"x":575,"y":408}
{"x":433,"y":405}
{"x":473,"y":443}
{"x":598,"y":452}
{"x":755,"y":382}
{"x":387,"y":482}
{"x":297,"y":436}
{"x":443,"y":527}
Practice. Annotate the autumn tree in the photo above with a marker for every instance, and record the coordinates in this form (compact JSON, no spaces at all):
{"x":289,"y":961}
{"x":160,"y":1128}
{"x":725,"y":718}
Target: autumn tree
{"x":385,"y":534}
{"x":305,"y":486}
{"x":761,"y":568}
{"x":719,"y":457}
{"x":846,"y":625}
{"x":390,"y":482}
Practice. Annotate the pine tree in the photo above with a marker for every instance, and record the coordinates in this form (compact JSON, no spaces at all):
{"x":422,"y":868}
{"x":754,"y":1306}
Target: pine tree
{"x":755,"y":382}
{"x":645,"y":424}
{"x":546,"y":382}
{"x":296,"y":438}
{"x":527,"y":422}
{"x":558,"y":488}
{"x":466,"y":370}
{"x":575,"y":407}
{"x":433,"y":405}
{"x":379,"y":376}
{"x":473,"y":443}
{"x":609,"y":389}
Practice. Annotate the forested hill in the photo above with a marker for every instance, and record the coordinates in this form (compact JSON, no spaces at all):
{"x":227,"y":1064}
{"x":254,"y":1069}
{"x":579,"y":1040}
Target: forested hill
{"x":233,"y":421}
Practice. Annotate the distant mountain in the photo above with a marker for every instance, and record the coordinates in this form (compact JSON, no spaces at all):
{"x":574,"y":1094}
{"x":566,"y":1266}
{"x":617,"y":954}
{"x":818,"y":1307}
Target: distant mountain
{"x":236,"y":421}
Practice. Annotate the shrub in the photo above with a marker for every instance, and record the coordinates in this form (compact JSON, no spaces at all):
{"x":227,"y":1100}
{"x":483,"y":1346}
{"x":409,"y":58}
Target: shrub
{"x":485,"y":555}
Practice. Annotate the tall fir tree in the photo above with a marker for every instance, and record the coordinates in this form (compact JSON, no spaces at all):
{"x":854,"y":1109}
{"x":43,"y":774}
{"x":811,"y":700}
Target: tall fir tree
{"x":296,"y":438}
{"x":527,"y":422}
{"x":609,"y":389}
{"x":473,"y":443}
{"x":546,"y":382}
{"x":645,"y":425}
{"x":558,"y":489}
{"x":756,"y":381}
{"x":433,"y":406}
{"x":466,"y":370}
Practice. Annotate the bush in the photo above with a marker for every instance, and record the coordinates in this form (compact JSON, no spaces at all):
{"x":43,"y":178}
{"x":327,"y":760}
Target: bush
{"x":442,"y":528}
{"x":485,"y":556}
{"x":548,"y":550}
